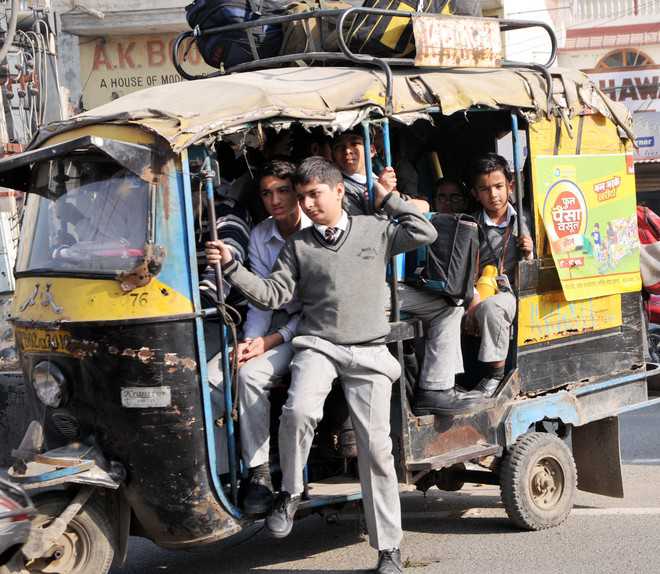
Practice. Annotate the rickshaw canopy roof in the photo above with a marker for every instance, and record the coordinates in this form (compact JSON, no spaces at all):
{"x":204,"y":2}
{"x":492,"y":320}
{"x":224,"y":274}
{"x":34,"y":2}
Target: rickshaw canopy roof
{"x":187,"y":112}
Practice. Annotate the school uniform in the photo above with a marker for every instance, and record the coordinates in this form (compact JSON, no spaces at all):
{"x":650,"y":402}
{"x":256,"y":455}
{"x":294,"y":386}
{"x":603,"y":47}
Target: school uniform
{"x":257,"y":375}
{"x":339,"y":283}
{"x":495,"y":315}
{"x":443,"y":358}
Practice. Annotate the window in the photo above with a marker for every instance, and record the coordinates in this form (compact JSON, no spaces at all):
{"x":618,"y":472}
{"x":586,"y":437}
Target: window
{"x":88,"y":216}
{"x":625,"y":58}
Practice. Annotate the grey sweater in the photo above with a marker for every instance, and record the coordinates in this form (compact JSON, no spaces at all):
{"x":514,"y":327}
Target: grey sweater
{"x":341,"y":287}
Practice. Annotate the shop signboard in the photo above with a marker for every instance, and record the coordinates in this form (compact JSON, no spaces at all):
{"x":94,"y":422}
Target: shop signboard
{"x":646,"y":126}
{"x":587,"y":204}
{"x":637,"y":88}
{"x":113,"y":66}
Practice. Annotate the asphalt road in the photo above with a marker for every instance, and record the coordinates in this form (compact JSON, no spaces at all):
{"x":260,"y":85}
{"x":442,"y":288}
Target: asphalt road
{"x":463,"y":532}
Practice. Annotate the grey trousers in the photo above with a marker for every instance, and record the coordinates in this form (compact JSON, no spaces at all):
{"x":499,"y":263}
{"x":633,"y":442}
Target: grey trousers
{"x":366,"y":373}
{"x":443,"y":358}
{"x":495,"y":316}
{"x":254,"y":379}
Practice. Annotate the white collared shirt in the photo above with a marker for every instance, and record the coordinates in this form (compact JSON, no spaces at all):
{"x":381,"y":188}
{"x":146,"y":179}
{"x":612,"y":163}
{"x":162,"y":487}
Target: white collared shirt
{"x":510,"y":213}
{"x":266,"y":242}
{"x":341,"y":224}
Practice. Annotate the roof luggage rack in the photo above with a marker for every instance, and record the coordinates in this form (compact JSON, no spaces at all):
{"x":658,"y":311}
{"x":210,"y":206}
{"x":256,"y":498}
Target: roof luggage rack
{"x":345,"y":54}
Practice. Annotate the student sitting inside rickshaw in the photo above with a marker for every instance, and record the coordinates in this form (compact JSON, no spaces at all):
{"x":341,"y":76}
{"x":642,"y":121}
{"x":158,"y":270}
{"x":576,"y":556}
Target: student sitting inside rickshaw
{"x":492,"y":185}
{"x":336,"y":268}
{"x":449,"y":197}
{"x":443,"y":360}
{"x":265,"y":352}
{"x":348,"y":152}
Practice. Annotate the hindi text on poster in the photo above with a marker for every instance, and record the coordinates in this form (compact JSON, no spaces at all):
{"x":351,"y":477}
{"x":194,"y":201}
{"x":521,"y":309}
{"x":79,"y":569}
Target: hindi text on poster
{"x":587,"y":204}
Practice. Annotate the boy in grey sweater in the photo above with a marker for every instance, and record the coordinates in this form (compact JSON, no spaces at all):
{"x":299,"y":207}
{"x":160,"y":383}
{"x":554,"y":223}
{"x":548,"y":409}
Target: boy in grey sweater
{"x":337,"y":269}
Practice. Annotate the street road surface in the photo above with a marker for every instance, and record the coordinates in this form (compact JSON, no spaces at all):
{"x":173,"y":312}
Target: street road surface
{"x":462,"y":533}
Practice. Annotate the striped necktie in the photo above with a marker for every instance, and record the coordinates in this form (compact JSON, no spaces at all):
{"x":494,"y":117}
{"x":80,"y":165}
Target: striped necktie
{"x":330,"y":234}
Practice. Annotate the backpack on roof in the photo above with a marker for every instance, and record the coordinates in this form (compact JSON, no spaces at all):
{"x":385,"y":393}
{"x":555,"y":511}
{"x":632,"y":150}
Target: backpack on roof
{"x":388,"y":36}
{"x":235,"y":47}
{"x":449,"y":264}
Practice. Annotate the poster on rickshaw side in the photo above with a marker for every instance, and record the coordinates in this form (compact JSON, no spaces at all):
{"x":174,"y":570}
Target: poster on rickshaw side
{"x":588,"y":207}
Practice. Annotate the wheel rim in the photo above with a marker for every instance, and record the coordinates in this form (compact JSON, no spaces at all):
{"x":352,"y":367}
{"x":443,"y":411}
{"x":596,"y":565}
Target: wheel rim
{"x":546,"y":483}
{"x":68,"y":555}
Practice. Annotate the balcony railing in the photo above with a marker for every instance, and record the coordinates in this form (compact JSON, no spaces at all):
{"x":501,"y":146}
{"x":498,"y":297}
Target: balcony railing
{"x":595,"y":11}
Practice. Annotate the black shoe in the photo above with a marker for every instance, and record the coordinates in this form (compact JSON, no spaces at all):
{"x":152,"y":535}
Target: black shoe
{"x":259,"y":497}
{"x":488,"y":385}
{"x":447,"y":402}
{"x":389,"y":562}
{"x":280,"y":519}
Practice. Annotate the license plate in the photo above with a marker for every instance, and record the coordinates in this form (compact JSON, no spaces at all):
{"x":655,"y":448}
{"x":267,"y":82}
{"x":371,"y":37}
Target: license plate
{"x":43,"y":341}
{"x":146,"y":397}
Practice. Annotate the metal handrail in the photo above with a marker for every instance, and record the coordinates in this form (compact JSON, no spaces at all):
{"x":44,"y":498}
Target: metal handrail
{"x":346,"y":54}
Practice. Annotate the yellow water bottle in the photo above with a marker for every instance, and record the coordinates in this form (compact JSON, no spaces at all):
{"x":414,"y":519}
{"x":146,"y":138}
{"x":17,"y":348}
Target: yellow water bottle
{"x":487,"y":284}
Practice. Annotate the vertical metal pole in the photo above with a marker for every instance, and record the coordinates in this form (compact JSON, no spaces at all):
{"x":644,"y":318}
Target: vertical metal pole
{"x":517,"y":174}
{"x":394,"y":272}
{"x":368,"y":167}
{"x":208,"y":174}
{"x":387,"y":148}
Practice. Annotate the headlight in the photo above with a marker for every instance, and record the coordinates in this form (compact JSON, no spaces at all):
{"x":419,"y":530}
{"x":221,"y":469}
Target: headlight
{"x":49,"y":384}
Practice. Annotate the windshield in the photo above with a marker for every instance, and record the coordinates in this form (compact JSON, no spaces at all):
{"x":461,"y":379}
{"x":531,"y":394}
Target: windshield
{"x":90,"y":215}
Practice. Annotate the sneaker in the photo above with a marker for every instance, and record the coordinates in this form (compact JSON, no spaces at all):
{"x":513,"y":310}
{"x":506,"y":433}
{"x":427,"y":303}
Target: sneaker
{"x":389,"y":562}
{"x":259,"y":496}
{"x":280,"y":519}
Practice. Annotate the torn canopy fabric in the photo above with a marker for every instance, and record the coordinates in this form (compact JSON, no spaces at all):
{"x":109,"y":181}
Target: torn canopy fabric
{"x":185,"y":113}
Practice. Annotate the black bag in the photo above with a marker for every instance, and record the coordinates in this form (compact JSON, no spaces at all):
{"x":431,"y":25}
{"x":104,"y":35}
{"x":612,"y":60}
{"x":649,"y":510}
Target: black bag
{"x":237,"y":46}
{"x":449,"y":264}
{"x":387,"y":36}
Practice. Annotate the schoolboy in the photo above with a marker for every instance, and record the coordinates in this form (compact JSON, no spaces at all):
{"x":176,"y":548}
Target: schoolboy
{"x":492,"y":186}
{"x":337,"y":268}
{"x":443,"y":360}
{"x":449,"y":197}
{"x":349,"y":153}
{"x":266,"y":351}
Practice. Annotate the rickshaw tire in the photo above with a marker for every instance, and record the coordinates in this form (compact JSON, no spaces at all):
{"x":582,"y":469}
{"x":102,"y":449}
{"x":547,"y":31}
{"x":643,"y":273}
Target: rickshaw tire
{"x":527,"y":485}
{"x":92,"y":523}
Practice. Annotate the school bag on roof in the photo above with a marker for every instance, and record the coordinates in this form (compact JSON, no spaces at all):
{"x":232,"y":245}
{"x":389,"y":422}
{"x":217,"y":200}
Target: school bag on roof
{"x":449,"y":264}
{"x":312,"y":34}
{"x":388,"y":36}
{"x":235,"y":47}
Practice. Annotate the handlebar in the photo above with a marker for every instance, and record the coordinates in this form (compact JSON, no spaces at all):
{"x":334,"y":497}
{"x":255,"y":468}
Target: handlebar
{"x":345,"y":54}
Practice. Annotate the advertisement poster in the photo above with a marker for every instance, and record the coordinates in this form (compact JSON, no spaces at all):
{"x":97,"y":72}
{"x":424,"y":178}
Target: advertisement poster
{"x":587,"y":203}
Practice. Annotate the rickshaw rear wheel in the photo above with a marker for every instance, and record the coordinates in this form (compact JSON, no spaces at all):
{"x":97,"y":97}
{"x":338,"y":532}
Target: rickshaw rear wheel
{"x":85,"y":547}
{"x":538,"y":481}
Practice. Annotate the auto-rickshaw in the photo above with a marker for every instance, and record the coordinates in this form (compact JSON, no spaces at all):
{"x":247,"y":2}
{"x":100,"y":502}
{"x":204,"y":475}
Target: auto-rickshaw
{"x":126,"y":438}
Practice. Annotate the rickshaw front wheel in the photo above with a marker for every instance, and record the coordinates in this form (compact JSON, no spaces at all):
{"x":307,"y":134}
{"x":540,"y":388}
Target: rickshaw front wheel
{"x":85,"y":547}
{"x":538,"y":480}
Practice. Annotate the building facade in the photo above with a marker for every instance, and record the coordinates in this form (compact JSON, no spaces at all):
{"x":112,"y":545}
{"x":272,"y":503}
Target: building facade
{"x":113,"y":47}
